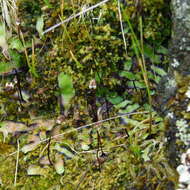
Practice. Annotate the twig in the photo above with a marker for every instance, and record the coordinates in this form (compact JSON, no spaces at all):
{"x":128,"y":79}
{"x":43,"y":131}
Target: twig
{"x":75,"y":16}
{"x":49,"y":142}
{"x":17,"y":160}
{"x":99,"y":149}
{"x":121,"y":24}
{"x":19,"y":88}
{"x":94,"y":151}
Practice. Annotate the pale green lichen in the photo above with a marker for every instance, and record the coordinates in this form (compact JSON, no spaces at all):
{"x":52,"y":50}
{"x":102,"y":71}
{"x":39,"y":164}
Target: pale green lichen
{"x":181,"y":123}
{"x":171,"y":83}
{"x":188,"y":108}
{"x":183,"y":171}
{"x":170,"y":115}
{"x":180,"y":8}
{"x":183,"y":131}
{"x":175,"y":63}
{"x":188,"y":92}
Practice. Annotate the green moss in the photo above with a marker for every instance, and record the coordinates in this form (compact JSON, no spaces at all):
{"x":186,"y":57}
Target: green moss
{"x":87,"y":49}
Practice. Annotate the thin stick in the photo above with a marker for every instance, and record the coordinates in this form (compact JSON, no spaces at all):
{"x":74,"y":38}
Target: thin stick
{"x":49,"y":158}
{"x":98,"y":150}
{"x":121,"y":24}
{"x":91,"y":124}
{"x":94,"y":151}
{"x":17,"y":160}
{"x":75,"y":16}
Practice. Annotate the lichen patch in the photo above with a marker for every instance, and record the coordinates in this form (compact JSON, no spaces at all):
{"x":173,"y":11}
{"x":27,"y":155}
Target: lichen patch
{"x":183,"y":131}
{"x":170,"y":115}
{"x":188,"y":108}
{"x":188,"y":92}
{"x":175,"y":63}
{"x":184,"y":171}
{"x":171,"y":83}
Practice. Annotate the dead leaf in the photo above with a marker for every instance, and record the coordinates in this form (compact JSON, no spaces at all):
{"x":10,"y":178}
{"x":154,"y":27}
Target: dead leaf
{"x":44,"y":160}
{"x":33,"y":138}
{"x":36,"y":170}
{"x":29,"y":147}
{"x":65,"y":149}
{"x":46,"y":123}
{"x":55,"y":132}
{"x":59,"y":164}
{"x":12,"y":128}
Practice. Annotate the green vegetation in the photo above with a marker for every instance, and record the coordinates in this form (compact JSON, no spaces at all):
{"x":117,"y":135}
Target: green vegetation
{"x":78,"y":74}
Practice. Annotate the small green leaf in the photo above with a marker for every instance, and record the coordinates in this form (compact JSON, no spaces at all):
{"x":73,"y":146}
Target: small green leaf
{"x":122,"y":104}
{"x":147,"y":106}
{"x":149,"y":52}
{"x":65,"y":149}
{"x":48,"y":3}
{"x":15,"y":43}
{"x":162,"y":50}
{"x":5,"y":67}
{"x":130,"y":108}
{"x":128,"y":75}
{"x":158,"y":70}
{"x":102,"y":91}
{"x":136,"y":84}
{"x":115,"y":100}
{"x":16,"y":57}
{"x":154,"y":77}
{"x":128,"y":65}
{"x":65,"y":82}
{"x":66,"y":88}
{"x":40,"y":25}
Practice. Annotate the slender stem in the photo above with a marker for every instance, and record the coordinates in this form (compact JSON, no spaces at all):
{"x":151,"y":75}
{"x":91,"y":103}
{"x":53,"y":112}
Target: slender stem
{"x":75,"y":16}
{"x":17,"y":161}
{"x":145,"y":72}
{"x":121,"y":24}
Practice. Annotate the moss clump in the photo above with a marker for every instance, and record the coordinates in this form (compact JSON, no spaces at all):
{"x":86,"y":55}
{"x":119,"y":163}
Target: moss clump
{"x":89,"y":47}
